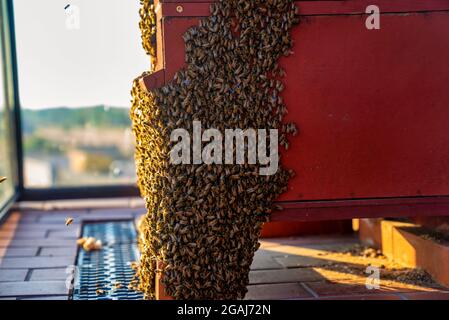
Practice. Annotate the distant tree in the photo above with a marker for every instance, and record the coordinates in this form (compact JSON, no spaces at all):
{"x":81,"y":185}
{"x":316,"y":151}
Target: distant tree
{"x":68,"y":118}
{"x":34,"y":145}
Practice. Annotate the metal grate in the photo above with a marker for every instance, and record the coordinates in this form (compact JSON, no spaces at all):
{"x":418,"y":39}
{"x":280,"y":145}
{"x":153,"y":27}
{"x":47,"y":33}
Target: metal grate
{"x":112,"y":264}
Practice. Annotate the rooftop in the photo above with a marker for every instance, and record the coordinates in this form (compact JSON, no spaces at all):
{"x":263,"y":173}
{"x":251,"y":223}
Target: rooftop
{"x":36,"y":247}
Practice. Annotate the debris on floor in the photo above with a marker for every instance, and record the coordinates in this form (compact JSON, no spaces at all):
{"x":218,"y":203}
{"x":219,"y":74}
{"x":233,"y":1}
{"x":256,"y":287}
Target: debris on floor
{"x":439,"y":235}
{"x":90,"y":244}
{"x":355,"y":260}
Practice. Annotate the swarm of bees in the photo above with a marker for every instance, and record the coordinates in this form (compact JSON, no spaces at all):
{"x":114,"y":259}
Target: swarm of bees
{"x":203,"y":221}
{"x":148,"y":28}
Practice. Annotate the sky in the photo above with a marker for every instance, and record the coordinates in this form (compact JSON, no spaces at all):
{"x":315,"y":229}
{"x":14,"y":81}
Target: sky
{"x":60,"y":64}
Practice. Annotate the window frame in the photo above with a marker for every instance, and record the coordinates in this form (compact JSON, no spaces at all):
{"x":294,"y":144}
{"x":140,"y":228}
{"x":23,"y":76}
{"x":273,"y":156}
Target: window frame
{"x":10,"y":96}
{"x":23,"y":193}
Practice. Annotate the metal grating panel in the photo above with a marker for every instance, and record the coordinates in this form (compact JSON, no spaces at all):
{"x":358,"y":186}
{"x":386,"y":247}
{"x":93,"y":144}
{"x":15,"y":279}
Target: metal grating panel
{"x":112,"y":264}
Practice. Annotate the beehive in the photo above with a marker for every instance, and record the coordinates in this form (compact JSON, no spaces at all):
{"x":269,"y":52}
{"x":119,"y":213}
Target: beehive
{"x":203,"y":221}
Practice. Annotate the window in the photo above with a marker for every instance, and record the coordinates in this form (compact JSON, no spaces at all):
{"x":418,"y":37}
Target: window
{"x":7,"y":187}
{"x":76,"y":63}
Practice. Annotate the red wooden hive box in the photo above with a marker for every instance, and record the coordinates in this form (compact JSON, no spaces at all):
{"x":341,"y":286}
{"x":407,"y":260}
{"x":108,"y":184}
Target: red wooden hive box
{"x":372,"y":105}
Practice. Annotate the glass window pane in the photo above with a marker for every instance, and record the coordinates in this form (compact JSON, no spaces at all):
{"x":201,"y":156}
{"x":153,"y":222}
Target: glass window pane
{"x":76,"y":64}
{"x":7,"y":186}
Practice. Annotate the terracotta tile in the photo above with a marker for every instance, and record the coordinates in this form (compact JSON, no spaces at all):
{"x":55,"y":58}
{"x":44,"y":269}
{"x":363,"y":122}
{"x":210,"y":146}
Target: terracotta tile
{"x":7,"y":234}
{"x":18,"y":243}
{"x":50,"y":298}
{"x":294,"y":261}
{"x":69,"y":233}
{"x":276,"y":291}
{"x":67,"y":212}
{"x":261,"y":262}
{"x":52,"y":217}
{"x":294,"y":256}
{"x":352,"y":287}
{"x":107,"y":218}
{"x":23,"y":227}
{"x":13,"y":218}
{"x":32,"y":288}
{"x":364,"y":297}
{"x":267,"y":253}
{"x":36,"y":262}
{"x":116,"y":211}
{"x":427,"y":296}
{"x":28,"y":218}
{"x":13,"y":275}
{"x":5,"y":243}
{"x":281,"y":276}
{"x":329,"y":288}
{"x":16,"y":234}
{"x":57,"y":219}
{"x":87,"y":204}
{"x":20,"y":252}
{"x":8,"y":226}
{"x":58,"y":252}
{"x":48,"y":274}
{"x":111,"y":214}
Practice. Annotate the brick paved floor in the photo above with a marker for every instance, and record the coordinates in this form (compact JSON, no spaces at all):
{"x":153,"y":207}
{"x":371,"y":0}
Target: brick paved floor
{"x":36,"y":247}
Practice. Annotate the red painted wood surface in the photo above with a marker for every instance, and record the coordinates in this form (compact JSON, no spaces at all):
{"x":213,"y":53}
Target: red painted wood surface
{"x":371,"y":105}
{"x":284,"y":229}
{"x":200,"y":8}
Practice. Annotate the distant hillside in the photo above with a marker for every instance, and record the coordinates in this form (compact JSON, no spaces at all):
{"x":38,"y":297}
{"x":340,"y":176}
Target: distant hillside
{"x":63,"y":117}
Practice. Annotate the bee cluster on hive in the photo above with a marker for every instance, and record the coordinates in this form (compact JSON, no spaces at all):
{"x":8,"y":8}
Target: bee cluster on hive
{"x":203,"y":221}
{"x":148,"y":28}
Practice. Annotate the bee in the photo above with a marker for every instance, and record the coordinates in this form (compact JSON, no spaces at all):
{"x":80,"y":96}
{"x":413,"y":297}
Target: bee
{"x":69,"y":221}
{"x":134,"y":265}
{"x":117,"y":286}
